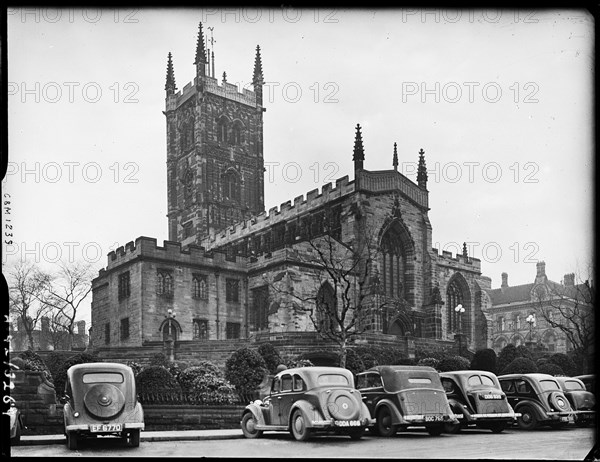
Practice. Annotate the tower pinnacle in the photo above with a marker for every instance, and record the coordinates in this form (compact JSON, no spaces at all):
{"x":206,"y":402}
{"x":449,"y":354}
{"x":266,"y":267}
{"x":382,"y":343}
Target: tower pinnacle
{"x":170,"y":86}
{"x":359,"y":152}
{"x":395,"y":159}
{"x":200,"y":50}
{"x":422,"y":170}
{"x":257,"y":78}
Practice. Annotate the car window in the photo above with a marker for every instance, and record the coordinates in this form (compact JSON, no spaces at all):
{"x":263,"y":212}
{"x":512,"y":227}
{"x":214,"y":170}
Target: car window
{"x":474,"y":380}
{"x":298,"y":383}
{"x":508,"y":386}
{"x":573,"y":385}
{"x":549,"y":385}
{"x":368,"y":381}
{"x":419,"y":380}
{"x":332,"y":379}
{"x":487,"y":380}
{"x":102,"y":377}
{"x":276,"y":387}
{"x":286,"y":383}
{"x":448,"y":385}
{"x":523,"y":387}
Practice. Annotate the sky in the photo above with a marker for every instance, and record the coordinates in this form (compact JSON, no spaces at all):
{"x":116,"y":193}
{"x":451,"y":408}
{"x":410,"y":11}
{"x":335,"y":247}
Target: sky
{"x":501,"y":101}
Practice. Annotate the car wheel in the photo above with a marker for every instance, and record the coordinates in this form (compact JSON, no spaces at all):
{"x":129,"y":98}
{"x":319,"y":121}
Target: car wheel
{"x":249,"y":426}
{"x":452,"y":428}
{"x":299,"y":429}
{"x":72,"y":440}
{"x":558,"y":425}
{"x":357,"y":434}
{"x":435,"y":430}
{"x":528,"y":419}
{"x":133,"y":438}
{"x":581,"y":423}
{"x":497,"y":427}
{"x":16,"y":440}
{"x":384,"y":422}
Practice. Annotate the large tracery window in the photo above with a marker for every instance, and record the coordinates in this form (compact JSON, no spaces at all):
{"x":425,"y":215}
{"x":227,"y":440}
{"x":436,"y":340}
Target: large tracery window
{"x":187,"y":135}
{"x":222,"y":129}
{"x":453,"y":299}
{"x":393,"y":263}
{"x":231,"y":186}
{"x":326,"y":314}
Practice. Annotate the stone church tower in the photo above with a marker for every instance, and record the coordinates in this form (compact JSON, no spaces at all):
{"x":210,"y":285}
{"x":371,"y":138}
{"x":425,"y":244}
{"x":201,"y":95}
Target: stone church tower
{"x":214,"y":150}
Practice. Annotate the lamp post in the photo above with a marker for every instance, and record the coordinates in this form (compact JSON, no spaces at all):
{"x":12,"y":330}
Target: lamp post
{"x":459,"y":311}
{"x":170,"y":342}
{"x":531,"y":321}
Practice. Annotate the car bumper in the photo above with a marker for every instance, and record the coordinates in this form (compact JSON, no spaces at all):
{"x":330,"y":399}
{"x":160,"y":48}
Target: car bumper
{"x":422,"y":419}
{"x":86,"y":427}
{"x":323,"y":424}
{"x":497,"y":415}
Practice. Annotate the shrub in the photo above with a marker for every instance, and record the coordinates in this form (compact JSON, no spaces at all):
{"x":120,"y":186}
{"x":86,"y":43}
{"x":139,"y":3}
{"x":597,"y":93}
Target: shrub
{"x":135,"y":367}
{"x":159,"y":359}
{"x":80,"y":358}
{"x":270,"y":355}
{"x":520,"y":366}
{"x":54,"y":361}
{"x":550,"y":368}
{"x":524,"y":352}
{"x":186,"y":378}
{"x":354,"y":362}
{"x":245,"y":369}
{"x":207,"y":383}
{"x":430,"y":362}
{"x":299,"y":362}
{"x":34,"y":362}
{"x":484,"y":360}
{"x":20,"y":364}
{"x":453,"y":363}
{"x":506,"y":356}
{"x":565,"y":363}
{"x":436,"y":353}
{"x":156,"y":379}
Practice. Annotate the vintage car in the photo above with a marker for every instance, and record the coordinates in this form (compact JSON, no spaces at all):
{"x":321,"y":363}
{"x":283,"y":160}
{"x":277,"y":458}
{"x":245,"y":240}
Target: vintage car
{"x":589,"y":380}
{"x":100,"y":399}
{"x":580,"y":400}
{"x":478,"y":397}
{"x":308,"y":400}
{"x":538,"y":398}
{"x":405,"y":396}
{"x":16,"y":424}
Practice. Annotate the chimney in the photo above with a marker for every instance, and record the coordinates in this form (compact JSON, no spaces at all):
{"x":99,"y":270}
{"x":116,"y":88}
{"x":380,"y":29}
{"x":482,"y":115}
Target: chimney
{"x":541,"y":268}
{"x":569,"y":279}
{"x":45,"y":324}
{"x":504,"y":280}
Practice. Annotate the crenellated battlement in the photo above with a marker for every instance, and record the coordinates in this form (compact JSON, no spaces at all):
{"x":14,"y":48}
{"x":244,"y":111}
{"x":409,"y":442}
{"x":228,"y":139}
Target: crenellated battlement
{"x":287,"y":210}
{"x":211,"y":85}
{"x":147,"y":247}
{"x":470,"y":263}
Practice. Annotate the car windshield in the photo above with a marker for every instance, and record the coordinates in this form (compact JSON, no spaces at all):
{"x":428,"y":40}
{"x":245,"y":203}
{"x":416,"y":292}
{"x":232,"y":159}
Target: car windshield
{"x":549,"y":385}
{"x":102,"y":377}
{"x":573,"y":385}
{"x":332,"y":379}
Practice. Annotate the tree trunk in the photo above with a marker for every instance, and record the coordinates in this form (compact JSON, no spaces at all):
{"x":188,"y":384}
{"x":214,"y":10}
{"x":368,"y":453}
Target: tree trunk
{"x":343,"y":354}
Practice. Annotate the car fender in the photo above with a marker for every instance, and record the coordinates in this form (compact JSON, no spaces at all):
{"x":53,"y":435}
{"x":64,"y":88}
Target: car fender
{"x":538,"y":409}
{"x":364,"y":411}
{"x":396,"y":416}
{"x":256,"y":412}
{"x":458,"y":408}
{"x":308,"y":410}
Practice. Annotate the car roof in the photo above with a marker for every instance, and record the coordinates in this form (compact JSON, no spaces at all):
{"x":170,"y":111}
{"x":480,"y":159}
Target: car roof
{"x":98,"y":366}
{"x":532,"y":375}
{"x":465,"y":372}
{"x":401,"y":368}
{"x":314,"y":370}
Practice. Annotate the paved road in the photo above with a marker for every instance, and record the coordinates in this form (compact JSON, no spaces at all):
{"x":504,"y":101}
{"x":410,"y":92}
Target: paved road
{"x":566,"y":444}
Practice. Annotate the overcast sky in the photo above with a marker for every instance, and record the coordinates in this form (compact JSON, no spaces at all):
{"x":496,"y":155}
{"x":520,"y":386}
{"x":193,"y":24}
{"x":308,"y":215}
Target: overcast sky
{"x":500,"y":101}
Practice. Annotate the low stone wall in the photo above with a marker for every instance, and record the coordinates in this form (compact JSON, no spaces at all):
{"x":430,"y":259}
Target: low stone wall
{"x":186,"y":417}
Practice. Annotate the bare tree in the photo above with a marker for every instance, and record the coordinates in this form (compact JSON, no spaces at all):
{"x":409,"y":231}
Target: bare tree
{"x":26,"y":287}
{"x":65,"y":292}
{"x":57,"y":334}
{"x":569,"y":307}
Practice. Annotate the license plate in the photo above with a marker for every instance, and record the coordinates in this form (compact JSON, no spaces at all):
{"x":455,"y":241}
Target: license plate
{"x":433,"y":418}
{"x":564,"y":419}
{"x":101,"y":428}
{"x":492,"y":396}
{"x":347,"y":423}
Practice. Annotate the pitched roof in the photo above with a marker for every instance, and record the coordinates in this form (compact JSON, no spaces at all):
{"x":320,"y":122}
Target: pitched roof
{"x":512,"y":294}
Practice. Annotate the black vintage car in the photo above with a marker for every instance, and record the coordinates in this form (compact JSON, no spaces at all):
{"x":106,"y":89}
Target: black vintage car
{"x":478,"y":397}
{"x":581,"y":400}
{"x":100,"y":399}
{"x":538,"y":398}
{"x":309,"y":400}
{"x":405,"y":396}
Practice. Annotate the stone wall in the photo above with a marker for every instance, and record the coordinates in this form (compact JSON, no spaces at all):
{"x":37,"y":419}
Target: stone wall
{"x":187,"y":417}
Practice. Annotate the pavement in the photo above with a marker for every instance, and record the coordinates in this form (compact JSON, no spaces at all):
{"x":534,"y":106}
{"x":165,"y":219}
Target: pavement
{"x":184,"y":435}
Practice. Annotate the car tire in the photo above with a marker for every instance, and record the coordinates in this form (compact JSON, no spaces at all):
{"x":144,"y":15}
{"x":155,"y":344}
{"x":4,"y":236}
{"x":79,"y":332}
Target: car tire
{"x":452,"y":428}
{"x":249,"y":426}
{"x":528,"y":419}
{"x":384,"y":422}
{"x":435,"y":430}
{"x":72,"y":440}
{"x":299,"y":429}
{"x":581,"y":423}
{"x":356,"y":434}
{"x":496,"y":427}
{"x":134,"y":438}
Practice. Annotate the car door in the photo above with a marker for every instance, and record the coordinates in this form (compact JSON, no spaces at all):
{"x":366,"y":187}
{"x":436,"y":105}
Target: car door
{"x":282,"y":402}
{"x":371,"y":388}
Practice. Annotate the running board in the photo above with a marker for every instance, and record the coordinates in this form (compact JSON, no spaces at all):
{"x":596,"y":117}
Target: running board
{"x":271,"y":427}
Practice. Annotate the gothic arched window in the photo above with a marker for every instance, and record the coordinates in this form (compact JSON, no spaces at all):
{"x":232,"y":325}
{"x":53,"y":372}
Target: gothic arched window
{"x":326,"y":315}
{"x":199,"y":287}
{"x":231,"y":186}
{"x":187,"y":135}
{"x":222,"y":129}
{"x":453,"y":299}
{"x":393,"y":263}
{"x":237,"y":133}
{"x":164,"y":283}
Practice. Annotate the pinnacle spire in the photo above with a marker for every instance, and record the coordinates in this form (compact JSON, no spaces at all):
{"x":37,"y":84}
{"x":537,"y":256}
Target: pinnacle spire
{"x":170,"y":86}
{"x":395,"y":159}
{"x":422,"y":170}
{"x":200,"y":50}
{"x":465,"y":253}
{"x":257,"y":78}
{"x":359,"y":152}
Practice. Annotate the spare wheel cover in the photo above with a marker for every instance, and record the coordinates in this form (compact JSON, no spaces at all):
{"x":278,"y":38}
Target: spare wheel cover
{"x":342,"y":405}
{"x":104,"y":400}
{"x":559,"y":401}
